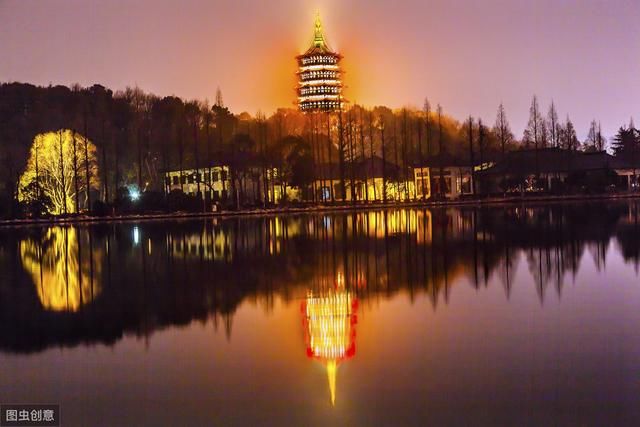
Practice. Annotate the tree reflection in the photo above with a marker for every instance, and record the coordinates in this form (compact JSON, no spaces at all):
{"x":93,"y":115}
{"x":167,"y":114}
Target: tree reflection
{"x":63,"y":271}
{"x":173,"y":273}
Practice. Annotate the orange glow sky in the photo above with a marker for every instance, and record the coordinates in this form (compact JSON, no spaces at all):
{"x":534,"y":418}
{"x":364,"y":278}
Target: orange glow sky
{"x":467,"y":55}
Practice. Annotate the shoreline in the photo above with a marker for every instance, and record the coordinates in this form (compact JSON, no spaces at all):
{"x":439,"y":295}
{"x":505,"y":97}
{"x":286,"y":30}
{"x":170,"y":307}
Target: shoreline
{"x":342,"y":207}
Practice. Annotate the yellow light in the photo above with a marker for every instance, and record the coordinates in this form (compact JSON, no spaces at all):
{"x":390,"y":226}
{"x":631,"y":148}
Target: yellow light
{"x":331,"y":67}
{"x":62,"y":273}
{"x":330,"y":330}
{"x":54,"y":154}
{"x":331,"y":375}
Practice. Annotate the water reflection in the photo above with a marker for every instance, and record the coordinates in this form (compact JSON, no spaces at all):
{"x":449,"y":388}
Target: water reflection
{"x":329,"y":322}
{"x":66,"y":285}
{"x":64,"y":266}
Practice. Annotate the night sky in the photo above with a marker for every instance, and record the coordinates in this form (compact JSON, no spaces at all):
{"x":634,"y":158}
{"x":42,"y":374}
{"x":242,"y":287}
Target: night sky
{"x":467,"y":55}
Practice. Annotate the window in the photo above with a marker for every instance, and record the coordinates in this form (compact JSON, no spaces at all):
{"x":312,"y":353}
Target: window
{"x":466,"y":184}
{"x":191,"y":179}
{"x":216,"y":176}
{"x":183,"y":179}
{"x":422,"y":187}
{"x":326,"y":193}
{"x":207,"y":177}
{"x":176,"y":180}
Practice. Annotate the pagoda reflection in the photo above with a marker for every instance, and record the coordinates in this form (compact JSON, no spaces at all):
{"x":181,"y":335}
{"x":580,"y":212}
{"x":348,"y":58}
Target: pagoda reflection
{"x":329,"y":320}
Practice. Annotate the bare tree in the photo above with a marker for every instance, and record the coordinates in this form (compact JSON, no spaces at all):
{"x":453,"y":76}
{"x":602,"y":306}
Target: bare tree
{"x":569,"y":137}
{"x":600,"y":139}
{"x":471,"y":159}
{"x":371,"y":154}
{"x":427,"y":119}
{"x":534,"y":130}
{"x":502,"y":130}
{"x":552,"y":125}
{"x":595,"y":141}
{"x":440,"y":151}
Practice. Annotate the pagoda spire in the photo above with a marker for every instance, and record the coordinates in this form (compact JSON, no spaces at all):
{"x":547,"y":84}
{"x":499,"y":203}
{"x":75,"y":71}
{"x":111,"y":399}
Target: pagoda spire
{"x":318,"y":36}
{"x":331,"y":375}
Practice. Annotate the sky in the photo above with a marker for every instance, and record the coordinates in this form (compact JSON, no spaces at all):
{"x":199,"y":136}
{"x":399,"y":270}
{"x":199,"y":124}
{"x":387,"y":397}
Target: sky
{"x":466,"y":55}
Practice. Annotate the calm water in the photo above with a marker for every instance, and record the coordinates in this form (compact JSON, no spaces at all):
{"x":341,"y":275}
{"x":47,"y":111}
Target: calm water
{"x":500,"y":316}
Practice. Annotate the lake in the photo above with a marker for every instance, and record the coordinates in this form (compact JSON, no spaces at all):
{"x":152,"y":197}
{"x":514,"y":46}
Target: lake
{"x":514,"y":314}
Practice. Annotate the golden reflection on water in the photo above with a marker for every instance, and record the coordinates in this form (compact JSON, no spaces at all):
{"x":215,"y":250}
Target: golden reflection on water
{"x":64,"y":268}
{"x":329,"y":322}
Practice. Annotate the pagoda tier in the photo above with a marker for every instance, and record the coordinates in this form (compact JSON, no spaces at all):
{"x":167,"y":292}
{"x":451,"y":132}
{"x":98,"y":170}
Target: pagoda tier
{"x":319,"y":76}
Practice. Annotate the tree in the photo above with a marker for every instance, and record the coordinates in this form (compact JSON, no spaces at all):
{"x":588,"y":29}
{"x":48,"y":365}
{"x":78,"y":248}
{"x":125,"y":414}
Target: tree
{"x":601,"y":140}
{"x":294,"y":162}
{"x":440,"y":151}
{"x":35,"y":202}
{"x":553,"y":125}
{"x":240,"y":161}
{"x":535,"y":129}
{"x":595,"y":140}
{"x":625,"y":143}
{"x":568,"y":137}
{"x":57,"y":173}
{"x":533,"y":132}
{"x":502,"y":129}
{"x":427,"y":122}
{"x":471,"y":157}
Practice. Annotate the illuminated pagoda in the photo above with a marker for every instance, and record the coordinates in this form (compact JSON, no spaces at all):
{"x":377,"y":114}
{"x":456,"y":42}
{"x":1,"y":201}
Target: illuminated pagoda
{"x":319,"y":76}
{"x":329,"y":322}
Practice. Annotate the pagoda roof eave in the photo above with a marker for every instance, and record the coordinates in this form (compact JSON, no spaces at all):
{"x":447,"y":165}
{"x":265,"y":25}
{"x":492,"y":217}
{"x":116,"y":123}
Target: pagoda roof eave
{"x":315,"y":50}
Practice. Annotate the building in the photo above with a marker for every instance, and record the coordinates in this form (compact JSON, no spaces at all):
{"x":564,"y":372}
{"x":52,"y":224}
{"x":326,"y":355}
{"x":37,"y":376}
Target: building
{"x":319,"y":76}
{"x":456,"y":182}
{"x":369,"y":179}
{"x":218,"y":184}
{"x":213,"y":183}
{"x":555,"y":169}
{"x":375,"y":180}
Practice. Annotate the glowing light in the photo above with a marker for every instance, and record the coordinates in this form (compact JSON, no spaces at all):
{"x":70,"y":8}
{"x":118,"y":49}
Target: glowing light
{"x":329,"y":322}
{"x":64,"y":274}
{"x":55,"y":176}
{"x":136,"y":235}
{"x":318,"y":68}
{"x":331,"y":376}
{"x":319,"y":84}
{"x":134,"y":193}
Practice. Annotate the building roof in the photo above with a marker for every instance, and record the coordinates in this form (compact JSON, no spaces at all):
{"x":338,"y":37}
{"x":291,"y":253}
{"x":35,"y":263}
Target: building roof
{"x":445,"y":160}
{"x":319,"y":45}
{"x":551,"y":160}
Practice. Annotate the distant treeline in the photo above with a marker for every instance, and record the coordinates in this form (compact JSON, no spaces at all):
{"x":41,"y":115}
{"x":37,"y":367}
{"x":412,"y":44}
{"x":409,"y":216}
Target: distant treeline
{"x":139,"y":135}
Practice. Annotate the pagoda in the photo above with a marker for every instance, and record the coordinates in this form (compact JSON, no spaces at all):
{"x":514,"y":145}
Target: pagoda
{"x":319,"y":76}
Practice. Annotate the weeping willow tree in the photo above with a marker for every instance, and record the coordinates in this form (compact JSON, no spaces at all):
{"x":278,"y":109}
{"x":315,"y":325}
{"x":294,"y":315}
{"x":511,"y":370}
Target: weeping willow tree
{"x":62,"y":168}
